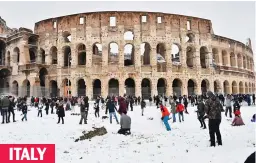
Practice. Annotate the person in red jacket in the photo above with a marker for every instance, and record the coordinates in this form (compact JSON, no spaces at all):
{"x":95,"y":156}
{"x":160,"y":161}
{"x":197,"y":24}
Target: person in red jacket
{"x":179,"y":110}
{"x":165,"y":116}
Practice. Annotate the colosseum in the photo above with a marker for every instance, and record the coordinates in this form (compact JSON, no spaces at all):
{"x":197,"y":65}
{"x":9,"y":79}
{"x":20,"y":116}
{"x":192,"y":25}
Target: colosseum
{"x":113,"y":53}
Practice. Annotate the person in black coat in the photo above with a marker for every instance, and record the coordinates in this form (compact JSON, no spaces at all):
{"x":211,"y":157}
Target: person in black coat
{"x":11,"y":110}
{"x":24,"y":109}
{"x":131,"y":103}
{"x":201,"y":112}
{"x":61,"y":113}
{"x":46,"y":107}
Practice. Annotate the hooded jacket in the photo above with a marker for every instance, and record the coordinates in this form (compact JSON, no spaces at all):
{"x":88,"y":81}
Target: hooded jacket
{"x":213,"y":106}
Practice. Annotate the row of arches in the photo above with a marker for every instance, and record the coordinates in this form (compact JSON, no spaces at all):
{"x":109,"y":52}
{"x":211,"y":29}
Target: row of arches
{"x":146,"y":87}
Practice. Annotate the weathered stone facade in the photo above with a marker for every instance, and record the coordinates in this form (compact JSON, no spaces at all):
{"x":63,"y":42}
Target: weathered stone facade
{"x":204,"y":61}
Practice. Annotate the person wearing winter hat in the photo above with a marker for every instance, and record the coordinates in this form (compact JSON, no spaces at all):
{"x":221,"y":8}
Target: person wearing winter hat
{"x":165,"y":117}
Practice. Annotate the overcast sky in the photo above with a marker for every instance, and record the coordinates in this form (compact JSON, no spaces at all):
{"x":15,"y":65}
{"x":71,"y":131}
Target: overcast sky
{"x":235,"y":20}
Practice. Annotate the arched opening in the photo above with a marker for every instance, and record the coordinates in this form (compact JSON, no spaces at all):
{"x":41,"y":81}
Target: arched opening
{"x":203,"y":57}
{"x":113,"y":57}
{"x":145,"y":88}
{"x":67,"y":56}
{"x":250,"y":88}
{"x":246,"y":88}
{"x":8,"y":58}
{"x":128,"y":35}
{"x":248,"y":62}
{"x":32,"y":54}
{"x":113,"y":87}
{"x":190,"y":56}
{"x":145,"y":51}
{"x":176,"y":49}
{"x":244,"y":62}
{"x":128,"y":55}
{"x":42,"y":51}
{"x":66,"y":37}
{"x":81,"y":54}
{"x":160,"y":50}
{"x":233,"y":59}
{"x":54,"y":55}
{"x":81,"y":88}
{"x":205,"y":86}
{"x":130,"y":87}
{"x":16,"y":56}
{"x":239,"y":60}
{"x":26,"y":88}
{"x":32,"y":40}
{"x":190,"y":38}
{"x":161,"y":86}
{"x":42,"y":76}
{"x":67,"y":87}
{"x":177,"y":87}
{"x":224,"y":57}
{"x":15,"y":88}
{"x":234,"y":88}
{"x":53,"y":88}
{"x":97,"y":54}
{"x":241,"y":87}
{"x":215,"y":53}
{"x":226,"y":87}
{"x":192,"y":86}
{"x":96,"y":88}
{"x":2,"y":52}
{"x":161,"y":57}
{"x":4,"y":80}
{"x":217,"y":86}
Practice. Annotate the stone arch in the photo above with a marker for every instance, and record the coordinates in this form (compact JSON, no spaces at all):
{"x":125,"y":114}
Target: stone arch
{"x":203,"y":57}
{"x":129,"y":87}
{"x":250,"y":88}
{"x":113,"y":56}
{"x":224,"y":57}
{"x":175,"y":53}
{"x":192,"y":87}
{"x":66,"y":87}
{"x":239,"y":60}
{"x":2,"y":52}
{"x":129,"y":55}
{"x":241,"y":87}
{"x":205,"y":85}
{"x":161,"y":86}
{"x":4,"y":80}
{"x":32,"y":40}
{"x":244,"y":62}
{"x":53,"y":88}
{"x":128,"y":35}
{"x":96,"y":88}
{"x":113,"y":87}
{"x":146,"y":88}
{"x":81,"y":88}
{"x":161,"y":49}
{"x":81,"y":54}
{"x":16,"y":58}
{"x":217,"y":86}
{"x":234,"y":88}
{"x":215,"y":53}
{"x":26,"y":87}
{"x":42,"y":52}
{"x":8,"y":58}
{"x":246,"y":88}
{"x":97,"y":53}
{"x":67,"y":56}
{"x":190,"y":38}
{"x":190,"y":56}
{"x":32,"y":55}
{"x":226,"y":87}
{"x":15,"y":88}
{"x":54,"y":55}
{"x":146,"y":53}
{"x":177,"y":87}
{"x":42,"y":75}
{"x":66,"y":36}
{"x":232,"y":59}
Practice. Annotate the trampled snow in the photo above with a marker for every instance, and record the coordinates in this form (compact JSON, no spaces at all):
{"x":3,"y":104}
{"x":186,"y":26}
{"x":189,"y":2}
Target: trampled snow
{"x":148,"y":143}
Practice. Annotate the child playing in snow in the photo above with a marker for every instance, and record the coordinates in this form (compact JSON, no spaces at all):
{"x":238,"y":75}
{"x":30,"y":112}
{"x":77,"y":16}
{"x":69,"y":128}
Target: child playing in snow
{"x":24,"y":111}
{"x":165,"y":116}
{"x":40,"y":108}
{"x":143,"y":105}
{"x":238,"y":121}
{"x":97,"y":110}
{"x":179,"y":110}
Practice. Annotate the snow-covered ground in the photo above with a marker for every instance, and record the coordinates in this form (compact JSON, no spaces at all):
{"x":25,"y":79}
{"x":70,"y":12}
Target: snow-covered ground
{"x":148,"y":143}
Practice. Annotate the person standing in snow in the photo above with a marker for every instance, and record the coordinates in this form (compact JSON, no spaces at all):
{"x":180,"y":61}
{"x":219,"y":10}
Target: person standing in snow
{"x":112,"y":108}
{"x":173,"y":109}
{"x":143,"y":106}
{"x":150,"y":100}
{"x":201,"y":112}
{"x":61,"y":113}
{"x":165,"y":116}
{"x":11,"y":110}
{"x":125,"y":123}
{"x":179,"y":110}
{"x":213,"y":109}
{"x":24,"y":109}
{"x":5,"y":102}
{"x":228,"y":106}
{"x":40,"y":108}
{"x":185,"y":102}
{"x":122,"y":106}
{"x":97,"y":110}
{"x":83,"y":113}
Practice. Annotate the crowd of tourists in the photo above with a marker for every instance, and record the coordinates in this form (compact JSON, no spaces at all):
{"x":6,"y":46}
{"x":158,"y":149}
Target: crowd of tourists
{"x":209,"y":106}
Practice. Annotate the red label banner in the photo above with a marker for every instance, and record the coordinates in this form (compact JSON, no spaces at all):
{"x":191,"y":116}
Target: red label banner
{"x":27,"y":153}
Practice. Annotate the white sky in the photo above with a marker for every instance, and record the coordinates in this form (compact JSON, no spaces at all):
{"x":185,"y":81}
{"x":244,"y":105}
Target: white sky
{"x":234,"y":20}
